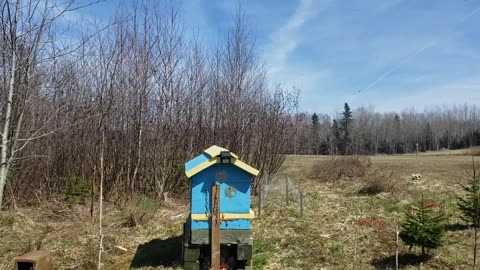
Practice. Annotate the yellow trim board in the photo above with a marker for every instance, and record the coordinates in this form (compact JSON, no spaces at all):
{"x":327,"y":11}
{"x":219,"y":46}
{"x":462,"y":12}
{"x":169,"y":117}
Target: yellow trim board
{"x":225,"y":216}
{"x":202,"y":166}
{"x":245,"y":166}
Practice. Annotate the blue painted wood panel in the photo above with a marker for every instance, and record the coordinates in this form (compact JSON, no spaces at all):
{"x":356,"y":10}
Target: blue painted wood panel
{"x":234,"y":189}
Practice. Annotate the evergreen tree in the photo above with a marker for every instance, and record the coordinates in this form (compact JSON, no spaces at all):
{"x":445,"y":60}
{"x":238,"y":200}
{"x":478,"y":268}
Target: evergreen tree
{"x":346,"y":126}
{"x":315,"y":121}
{"x":336,"y":135}
{"x":470,"y":204}
{"x":315,"y":134}
{"x":397,"y":137}
{"x":423,"y":227}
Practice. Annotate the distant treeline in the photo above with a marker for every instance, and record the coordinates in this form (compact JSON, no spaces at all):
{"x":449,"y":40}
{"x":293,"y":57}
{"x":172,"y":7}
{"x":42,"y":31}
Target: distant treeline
{"x":364,"y":131}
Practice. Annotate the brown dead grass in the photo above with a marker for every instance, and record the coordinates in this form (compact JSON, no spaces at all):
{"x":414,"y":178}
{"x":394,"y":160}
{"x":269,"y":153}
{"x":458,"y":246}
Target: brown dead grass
{"x":382,"y":181}
{"x":72,"y":235}
{"x":338,"y":168}
{"x":357,"y":168}
{"x":473,"y":151}
{"x":344,"y":222}
{"x":338,"y":222}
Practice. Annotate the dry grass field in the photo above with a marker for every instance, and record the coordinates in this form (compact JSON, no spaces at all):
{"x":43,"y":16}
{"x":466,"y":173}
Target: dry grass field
{"x":355,"y":229}
{"x":342,"y":228}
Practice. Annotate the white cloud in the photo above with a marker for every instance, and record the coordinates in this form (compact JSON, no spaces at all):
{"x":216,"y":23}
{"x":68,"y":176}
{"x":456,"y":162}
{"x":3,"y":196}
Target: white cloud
{"x":286,"y":39}
{"x":331,"y":51}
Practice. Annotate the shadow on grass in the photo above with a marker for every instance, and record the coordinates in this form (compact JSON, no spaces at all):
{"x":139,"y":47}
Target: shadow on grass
{"x":159,"y":252}
{"x":404,"y":260}
{"x":456,"y":227}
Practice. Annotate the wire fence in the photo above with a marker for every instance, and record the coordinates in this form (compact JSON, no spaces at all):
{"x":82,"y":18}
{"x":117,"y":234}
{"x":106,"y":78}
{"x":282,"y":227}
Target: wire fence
{"x":280,"y":191}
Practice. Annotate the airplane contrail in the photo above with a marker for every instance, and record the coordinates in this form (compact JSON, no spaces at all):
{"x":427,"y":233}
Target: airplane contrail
{"x":415,"y":53}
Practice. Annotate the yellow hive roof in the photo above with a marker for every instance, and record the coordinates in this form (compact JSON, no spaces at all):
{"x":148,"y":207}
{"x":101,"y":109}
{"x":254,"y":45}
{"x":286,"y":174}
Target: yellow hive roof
{"x":210,"y":157}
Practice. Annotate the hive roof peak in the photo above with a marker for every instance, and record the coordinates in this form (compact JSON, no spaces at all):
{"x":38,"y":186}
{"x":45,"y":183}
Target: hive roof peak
{"x":215,"y":151}
{"x":210,"y":156}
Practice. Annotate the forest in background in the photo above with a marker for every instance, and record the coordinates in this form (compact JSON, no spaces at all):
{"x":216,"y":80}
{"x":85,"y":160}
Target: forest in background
{"x":364,"y":131}
{"x":131,"y":101}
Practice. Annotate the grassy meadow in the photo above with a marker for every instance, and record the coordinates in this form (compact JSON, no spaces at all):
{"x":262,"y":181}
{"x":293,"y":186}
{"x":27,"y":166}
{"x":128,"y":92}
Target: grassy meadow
{"x":342,"y":228}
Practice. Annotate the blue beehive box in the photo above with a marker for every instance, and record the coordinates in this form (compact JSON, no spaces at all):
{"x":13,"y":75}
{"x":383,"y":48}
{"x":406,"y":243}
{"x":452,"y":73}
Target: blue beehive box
{"x":219,"y":166}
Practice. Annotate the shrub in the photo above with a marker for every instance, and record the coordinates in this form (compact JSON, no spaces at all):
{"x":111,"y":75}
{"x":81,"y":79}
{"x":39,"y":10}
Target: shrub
{"x":77,"y":190}
{"x":341,"y":167}
{"x":139,"y":212}
{"x":474,"y":151}
{"x":378,"y":181}
{"x":424,"y":226}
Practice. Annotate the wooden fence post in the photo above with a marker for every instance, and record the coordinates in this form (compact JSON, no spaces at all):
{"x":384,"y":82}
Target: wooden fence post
{"x":265,"y":191}
{"x":396,"y":249}
{"x":260,"y":201}
{"x":286,"y":188}
{"x":301,"y":203}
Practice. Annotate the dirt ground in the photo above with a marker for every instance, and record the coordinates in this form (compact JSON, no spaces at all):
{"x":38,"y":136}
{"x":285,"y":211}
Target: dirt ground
{"x":340,"y":229}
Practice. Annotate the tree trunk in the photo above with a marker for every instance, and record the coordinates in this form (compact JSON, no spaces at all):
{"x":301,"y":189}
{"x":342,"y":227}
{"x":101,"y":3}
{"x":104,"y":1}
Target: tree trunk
{"x":4,"y":159}
{"x":100,"y":202}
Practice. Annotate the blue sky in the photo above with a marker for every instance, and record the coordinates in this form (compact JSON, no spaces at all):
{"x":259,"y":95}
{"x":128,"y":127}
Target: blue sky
{"x":392,"y":54}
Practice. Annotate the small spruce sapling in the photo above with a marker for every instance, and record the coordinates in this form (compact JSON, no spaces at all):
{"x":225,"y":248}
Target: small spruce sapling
{"x":469,"y":204}
{"x":424,"y":226}
{"x":470,"y":207}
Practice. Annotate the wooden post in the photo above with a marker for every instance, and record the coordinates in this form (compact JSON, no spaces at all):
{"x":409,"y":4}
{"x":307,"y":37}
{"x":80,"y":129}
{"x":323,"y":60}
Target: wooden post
{"x":396,"y":249}
{"x":286,"y":189}
{"x":215,"y":238}
{"x":475,"y":248}
{"x":301,"y":203}
{"x":265,"y":191}
{"x":260,"y":201}
{"x":354,"y":251}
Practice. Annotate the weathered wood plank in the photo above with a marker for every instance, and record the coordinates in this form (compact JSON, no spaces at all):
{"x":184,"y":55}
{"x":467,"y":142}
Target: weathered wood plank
{"x":202,"y":237}
{"x":244,"y":252}
{"x":215,"y":227}
{"x":191,"y":254}
{"x":191,"y":265}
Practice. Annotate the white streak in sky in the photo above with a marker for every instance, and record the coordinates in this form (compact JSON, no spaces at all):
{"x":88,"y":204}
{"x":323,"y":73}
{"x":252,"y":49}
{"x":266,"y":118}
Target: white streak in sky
{"x":416,"y":52}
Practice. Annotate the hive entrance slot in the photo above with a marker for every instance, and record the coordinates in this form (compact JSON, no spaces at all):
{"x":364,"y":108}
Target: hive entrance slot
{"x":25,"y":266}
{"x":227,"y":258}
